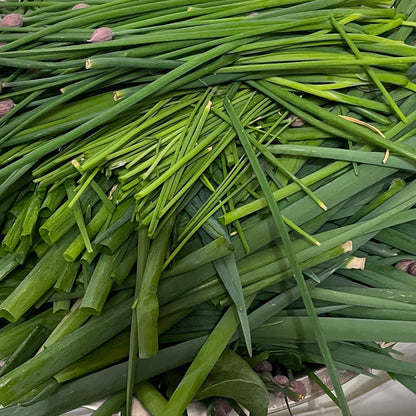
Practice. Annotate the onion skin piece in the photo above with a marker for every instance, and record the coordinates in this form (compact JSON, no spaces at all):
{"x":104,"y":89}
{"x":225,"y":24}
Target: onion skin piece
{"x":102,"y":34}
{"x":12,"y":20}
{"x":6,"y":106}
{"x":80,"y":6}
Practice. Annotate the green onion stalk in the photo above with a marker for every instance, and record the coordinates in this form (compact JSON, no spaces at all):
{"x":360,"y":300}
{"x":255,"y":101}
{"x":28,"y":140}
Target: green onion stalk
{"x":187,"y":186}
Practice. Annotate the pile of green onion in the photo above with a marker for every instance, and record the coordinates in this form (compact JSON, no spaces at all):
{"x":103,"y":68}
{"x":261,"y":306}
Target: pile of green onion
{"x":192,"y":189}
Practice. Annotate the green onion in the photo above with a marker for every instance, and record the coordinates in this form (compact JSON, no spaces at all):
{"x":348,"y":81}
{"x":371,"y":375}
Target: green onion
{"x":215,"y":174}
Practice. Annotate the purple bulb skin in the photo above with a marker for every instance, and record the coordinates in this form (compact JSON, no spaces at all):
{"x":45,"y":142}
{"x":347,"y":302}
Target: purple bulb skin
{"x":80,"y":6}
{"x":296,"y":121}
{"x":5,"y":106}
{"x":102,"y":34}
{"x":283,"y":381}
{"x":299,"y":388}
{"x":408,"y":266}
{"x":404,"y":265}
{"x":222,"y":407}
{"x":412,"y":269}
{"x":263,"y":367}
{"x":12,"y":20}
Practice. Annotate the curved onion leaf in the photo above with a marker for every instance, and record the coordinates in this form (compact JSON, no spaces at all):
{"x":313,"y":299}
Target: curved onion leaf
{"x":233,"y":378}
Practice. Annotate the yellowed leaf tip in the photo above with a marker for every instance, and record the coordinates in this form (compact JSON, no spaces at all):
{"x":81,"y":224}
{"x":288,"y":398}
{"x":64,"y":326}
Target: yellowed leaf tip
{"x":112,"y":190}
{"x":323,"y":206}
{"x":347,"y":246}
{"x":76,"y":164}
{"x":356,"y":263}
{"x":363,"y":123}
{"x":116,"y":96}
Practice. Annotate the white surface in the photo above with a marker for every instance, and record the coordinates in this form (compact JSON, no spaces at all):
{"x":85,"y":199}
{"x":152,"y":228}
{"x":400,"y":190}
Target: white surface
{"x":368,"y":396}
{"x":389,"y":398}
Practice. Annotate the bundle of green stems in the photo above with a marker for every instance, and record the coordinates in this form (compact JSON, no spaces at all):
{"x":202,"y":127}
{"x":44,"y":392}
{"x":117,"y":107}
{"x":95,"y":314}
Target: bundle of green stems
{"x":189,"y":189}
